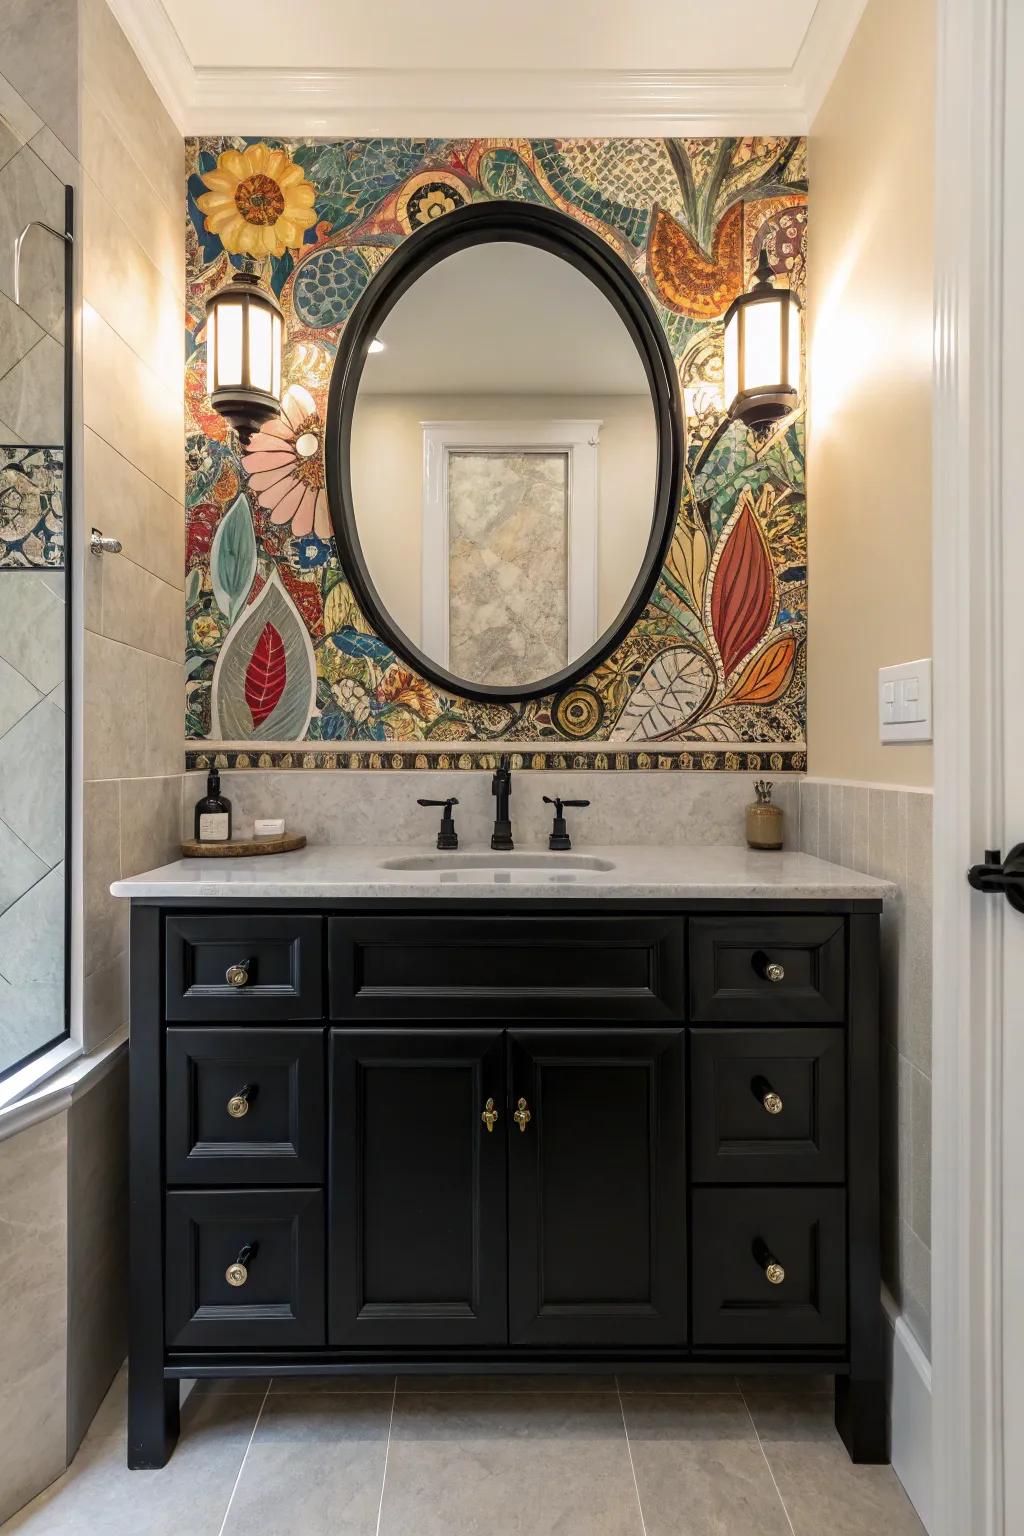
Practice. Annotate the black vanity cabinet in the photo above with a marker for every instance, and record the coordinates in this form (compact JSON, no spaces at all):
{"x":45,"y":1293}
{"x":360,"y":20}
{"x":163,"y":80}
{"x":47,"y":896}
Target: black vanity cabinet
{"x":467,"y":1136}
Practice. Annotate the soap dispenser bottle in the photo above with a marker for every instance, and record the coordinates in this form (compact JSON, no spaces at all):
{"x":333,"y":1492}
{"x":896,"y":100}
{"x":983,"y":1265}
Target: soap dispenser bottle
{"x":213,"y":813}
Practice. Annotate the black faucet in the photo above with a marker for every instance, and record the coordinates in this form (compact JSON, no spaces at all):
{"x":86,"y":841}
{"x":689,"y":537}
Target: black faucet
{"x":501,"y":789}
{"x":559,"y":839}
{"x":447,"y":837}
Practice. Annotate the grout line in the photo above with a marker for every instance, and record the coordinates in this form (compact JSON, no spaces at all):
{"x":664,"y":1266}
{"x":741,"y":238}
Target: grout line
{"x":387,"y":1453}
{"x":767,"y":1463}
{"x":238,"y":1478}
{"x":629,"y":1453}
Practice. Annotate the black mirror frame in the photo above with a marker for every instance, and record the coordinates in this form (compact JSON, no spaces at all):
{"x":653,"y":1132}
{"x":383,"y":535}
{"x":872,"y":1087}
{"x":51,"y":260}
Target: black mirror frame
{"x":544,"y":228}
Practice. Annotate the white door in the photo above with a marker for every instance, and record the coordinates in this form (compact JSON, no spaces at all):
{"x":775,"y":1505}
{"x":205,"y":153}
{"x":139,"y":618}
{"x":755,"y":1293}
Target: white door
{"x":978,"y":1003}
{"x":1012,"y":562}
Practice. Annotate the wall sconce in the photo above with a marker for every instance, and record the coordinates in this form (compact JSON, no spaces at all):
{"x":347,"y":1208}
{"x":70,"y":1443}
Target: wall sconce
{"x":762,"y":351}
{"x":244,"y":332}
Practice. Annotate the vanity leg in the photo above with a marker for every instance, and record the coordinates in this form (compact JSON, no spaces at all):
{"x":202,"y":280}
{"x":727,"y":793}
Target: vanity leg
{"x":861,"y":1418}
{"x":153,"y":1403}
{"x":153,"y":1420}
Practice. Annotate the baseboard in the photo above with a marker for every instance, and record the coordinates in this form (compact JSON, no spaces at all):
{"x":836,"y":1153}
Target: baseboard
{"x":910,"y":1411}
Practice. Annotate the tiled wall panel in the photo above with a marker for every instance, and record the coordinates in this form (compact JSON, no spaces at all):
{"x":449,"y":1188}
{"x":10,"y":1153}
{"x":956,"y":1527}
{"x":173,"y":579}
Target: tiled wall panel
{"x":133,"y":261}
{"x":888,"y":832}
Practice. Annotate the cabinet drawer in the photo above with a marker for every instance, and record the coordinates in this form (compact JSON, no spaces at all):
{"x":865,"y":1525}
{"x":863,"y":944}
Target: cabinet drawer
{"x":507,"y":967}
{"x":767,"y":1106}
{"x":281,"y":1298}
{"x":278,"y":960}
{"x":770,"y":970}
{"x":245,"y":1106}
{"x":738,"y":1234}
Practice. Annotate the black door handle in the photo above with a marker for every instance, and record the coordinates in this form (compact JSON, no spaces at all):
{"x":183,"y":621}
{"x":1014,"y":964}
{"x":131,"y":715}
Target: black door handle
{"x":1001,"y":876}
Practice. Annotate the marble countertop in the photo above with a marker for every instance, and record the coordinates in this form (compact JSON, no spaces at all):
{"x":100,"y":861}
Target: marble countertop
{"x":336,"y":872}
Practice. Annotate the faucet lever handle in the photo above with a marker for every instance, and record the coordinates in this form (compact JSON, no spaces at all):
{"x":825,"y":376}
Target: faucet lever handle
{"x":559,"y":841}
{"x":447,"y":837}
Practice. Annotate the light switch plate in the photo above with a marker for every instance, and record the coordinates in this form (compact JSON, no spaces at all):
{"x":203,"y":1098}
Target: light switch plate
{"x":905,"y":701}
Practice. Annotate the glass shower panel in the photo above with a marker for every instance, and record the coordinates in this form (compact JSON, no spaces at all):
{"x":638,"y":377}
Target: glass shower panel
{"x":33,"y":614}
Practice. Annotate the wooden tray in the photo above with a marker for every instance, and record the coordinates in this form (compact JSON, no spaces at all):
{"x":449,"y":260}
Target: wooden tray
{"x":243,"y":847}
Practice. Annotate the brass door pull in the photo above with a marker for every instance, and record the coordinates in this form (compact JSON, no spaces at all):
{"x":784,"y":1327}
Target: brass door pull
{"x":522,"y":1116}
{"x":237,"y":975}
{"x":238,"y":1104}
{"x":774,"y":972}
{"x":238,"y":1272}
{"x":489,"y":1115}
{"x":772,"y":1102}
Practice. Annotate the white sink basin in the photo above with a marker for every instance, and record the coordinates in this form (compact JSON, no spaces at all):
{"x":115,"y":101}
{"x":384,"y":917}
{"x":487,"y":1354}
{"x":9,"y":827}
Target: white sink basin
{"x":485,"y":864}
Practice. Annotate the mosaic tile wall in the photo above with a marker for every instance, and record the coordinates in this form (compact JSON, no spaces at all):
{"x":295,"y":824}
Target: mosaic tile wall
{"x":282,"y":668}
{"x":31,"y":508}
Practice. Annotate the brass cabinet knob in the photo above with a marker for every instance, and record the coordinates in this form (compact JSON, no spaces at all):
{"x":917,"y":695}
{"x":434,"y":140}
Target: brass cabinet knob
{"x":238,"y":1273}
{"x":522,"y":1116}
{"x":237,"y":975}
{"x":774,"y":971}
{"x":772,"y":1102}
{"x":238,"y":1104}
{"x":773,"y":1270}
{"x":489,"y":1115}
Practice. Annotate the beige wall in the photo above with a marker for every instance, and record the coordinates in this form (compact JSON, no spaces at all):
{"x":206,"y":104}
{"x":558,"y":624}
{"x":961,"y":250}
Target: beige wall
{"x":132,"y":238}
{"x":387,"y":484}
{"x":870,"y":319}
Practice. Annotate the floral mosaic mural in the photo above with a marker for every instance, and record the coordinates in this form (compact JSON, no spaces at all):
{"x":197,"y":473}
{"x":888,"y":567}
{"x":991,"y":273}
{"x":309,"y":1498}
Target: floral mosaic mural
{"x":31,"y":508}
{"x":280,"y":661}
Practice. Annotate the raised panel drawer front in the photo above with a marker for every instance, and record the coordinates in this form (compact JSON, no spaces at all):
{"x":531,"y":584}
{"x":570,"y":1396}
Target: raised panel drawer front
{"x":508,"y":967}
{"x":767,"y":1106}
{"x":244,"y":968}
{"x":245,"y":1268}
{"x":769,"y":1268}
{"x":417,"y":1218}
{"x":597,"y":1187}
{"x":768,"y":969}
{"x":245,"y":1106}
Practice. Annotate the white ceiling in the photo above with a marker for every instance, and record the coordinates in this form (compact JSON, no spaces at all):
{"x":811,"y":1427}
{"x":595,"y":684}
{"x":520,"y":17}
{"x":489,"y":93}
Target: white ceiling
{"x":527,"y":34}
{"x":545,"y":68}
{"x":504,"y":319}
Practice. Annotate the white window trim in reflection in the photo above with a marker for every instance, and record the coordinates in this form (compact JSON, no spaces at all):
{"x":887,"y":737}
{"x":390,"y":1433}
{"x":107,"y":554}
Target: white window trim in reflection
{"x":578,"y":440}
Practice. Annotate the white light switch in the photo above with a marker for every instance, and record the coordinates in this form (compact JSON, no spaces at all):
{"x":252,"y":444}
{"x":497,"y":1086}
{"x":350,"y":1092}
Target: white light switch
{"x":905,"y":701}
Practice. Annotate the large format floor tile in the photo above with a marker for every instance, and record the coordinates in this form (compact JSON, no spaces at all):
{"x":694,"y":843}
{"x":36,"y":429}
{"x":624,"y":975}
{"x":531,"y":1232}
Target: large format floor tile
{"x":699,"y":1468}
{"x":98,"y":1496}
{"x":315,"y":1466}
{"x":477,"y":1463}
{"x":822,"y":1489}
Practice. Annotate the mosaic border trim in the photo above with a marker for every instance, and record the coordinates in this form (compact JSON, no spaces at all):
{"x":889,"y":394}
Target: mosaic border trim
{"x":705,"y":760}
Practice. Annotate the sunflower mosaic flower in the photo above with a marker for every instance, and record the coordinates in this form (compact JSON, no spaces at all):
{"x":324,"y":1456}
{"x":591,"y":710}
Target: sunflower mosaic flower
{"x":259,"y":202}
{"x":285,"y":466}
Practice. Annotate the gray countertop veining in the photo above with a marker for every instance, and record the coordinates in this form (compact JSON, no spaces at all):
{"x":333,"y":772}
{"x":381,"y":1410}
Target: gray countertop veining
{"x":341,"y":872}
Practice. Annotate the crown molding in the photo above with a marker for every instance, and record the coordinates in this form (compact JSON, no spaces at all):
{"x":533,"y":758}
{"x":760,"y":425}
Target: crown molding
{"x":822,"y":51}
{"x":322,"y":103}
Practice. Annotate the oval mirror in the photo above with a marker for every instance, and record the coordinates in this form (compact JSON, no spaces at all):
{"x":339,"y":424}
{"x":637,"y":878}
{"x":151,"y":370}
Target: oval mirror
{"x":504,"y":450}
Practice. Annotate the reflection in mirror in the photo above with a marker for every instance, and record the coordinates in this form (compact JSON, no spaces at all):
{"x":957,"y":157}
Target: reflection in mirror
{"x":33,"y":641}
{"x":503,"y":464}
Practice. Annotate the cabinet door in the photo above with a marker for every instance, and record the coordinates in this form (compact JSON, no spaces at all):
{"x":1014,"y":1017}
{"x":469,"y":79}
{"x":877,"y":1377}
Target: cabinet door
{"x":418,"y":1210}
{"x":597,"y":1187}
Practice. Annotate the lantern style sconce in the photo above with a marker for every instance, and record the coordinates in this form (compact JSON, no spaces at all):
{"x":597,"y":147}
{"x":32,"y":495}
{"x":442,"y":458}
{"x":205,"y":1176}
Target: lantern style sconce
{"x":762,"y":351}
{"x":244,"y":333}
